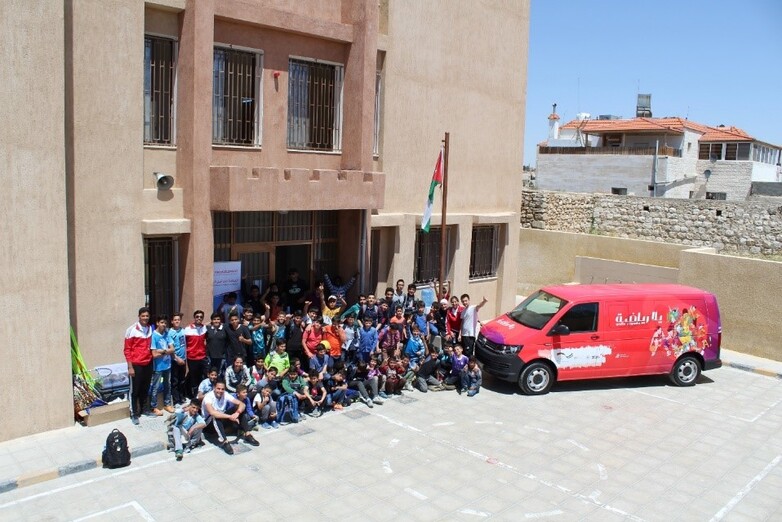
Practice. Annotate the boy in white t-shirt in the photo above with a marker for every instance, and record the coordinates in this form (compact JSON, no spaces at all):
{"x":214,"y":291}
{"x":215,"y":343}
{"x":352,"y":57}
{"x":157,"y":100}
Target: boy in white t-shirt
{"x":469,"y":327}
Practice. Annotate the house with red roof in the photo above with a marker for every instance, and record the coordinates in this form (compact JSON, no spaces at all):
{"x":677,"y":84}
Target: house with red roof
{"x":669,"y":157}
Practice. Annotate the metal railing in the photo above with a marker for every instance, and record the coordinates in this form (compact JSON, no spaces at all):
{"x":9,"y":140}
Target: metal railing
{"x":617,"y":151}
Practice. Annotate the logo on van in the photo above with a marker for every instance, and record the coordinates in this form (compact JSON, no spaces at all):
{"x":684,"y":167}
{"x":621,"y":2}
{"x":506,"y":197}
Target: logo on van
{"x":580,"y":357}
{"x":636,"y":319}
{"x":507,"y":324}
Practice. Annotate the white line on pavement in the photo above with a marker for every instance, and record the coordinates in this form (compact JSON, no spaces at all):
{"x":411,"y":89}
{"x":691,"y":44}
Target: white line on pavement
{"x":468,"y":511}
{"x":578,"y":444}
{"x":96,"y":479}
{"x":416,"y":494}
{"x":715,"y":412}
{"x":544,"y":514}
{"x":492,"y":460}
{"x":746,"y":489}
{"x":135,"y":505}
{"x":601,"y":470}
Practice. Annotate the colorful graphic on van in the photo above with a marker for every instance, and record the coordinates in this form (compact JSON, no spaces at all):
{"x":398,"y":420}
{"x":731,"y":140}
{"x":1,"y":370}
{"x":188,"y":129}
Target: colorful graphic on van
{"x":580,"y":357}
{"x":681,"y":332}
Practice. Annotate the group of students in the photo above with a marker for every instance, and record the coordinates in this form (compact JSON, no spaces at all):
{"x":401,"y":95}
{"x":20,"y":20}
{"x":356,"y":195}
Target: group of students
{"x":244,"y":371}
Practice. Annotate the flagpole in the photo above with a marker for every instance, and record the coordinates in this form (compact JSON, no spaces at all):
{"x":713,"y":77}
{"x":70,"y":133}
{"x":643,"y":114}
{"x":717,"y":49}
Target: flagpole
{"x":443,"y":220}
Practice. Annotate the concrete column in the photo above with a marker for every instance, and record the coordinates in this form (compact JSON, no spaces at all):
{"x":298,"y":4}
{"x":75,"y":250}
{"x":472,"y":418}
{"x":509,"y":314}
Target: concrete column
{"x":194,"y":151}
{"x":359,"y":94}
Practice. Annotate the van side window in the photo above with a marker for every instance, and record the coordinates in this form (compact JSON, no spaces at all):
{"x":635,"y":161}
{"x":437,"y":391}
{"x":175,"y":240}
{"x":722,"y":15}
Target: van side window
{"x":581,"y":318}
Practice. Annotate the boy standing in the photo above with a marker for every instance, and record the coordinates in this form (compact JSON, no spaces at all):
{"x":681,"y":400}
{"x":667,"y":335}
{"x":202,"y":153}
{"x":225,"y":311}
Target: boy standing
{"x":138,"y":340}
{"x":469,"y":326}
{"x":195,"y":339}
{"x":176,"y":339}
{"x":368,"y":340}
{"x":161,"y":360}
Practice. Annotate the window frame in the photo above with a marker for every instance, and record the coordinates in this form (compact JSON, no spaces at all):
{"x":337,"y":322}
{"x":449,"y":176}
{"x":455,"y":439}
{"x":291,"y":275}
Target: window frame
{"x":257,"y":141}
{"x":495,"y":251}
{"x":434,"y":232}
{"x":595,"y":319}
{"x":173,"y":109}
{"x":338,"y":116}
{"x":378,"y":114}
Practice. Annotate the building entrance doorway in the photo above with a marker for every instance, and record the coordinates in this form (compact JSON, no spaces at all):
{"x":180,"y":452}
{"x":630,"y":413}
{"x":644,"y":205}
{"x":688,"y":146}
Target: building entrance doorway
{"x":292,"y":256}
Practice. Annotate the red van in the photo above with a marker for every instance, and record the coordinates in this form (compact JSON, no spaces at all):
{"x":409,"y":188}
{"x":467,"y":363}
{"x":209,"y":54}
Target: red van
{"x":570,"y":332}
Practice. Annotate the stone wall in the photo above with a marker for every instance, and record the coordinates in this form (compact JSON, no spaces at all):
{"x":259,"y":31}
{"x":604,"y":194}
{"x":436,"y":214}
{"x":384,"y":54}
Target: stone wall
{"x":746,"y":227}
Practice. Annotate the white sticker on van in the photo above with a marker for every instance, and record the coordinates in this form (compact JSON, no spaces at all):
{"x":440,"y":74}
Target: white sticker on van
{"x":580,"y":357}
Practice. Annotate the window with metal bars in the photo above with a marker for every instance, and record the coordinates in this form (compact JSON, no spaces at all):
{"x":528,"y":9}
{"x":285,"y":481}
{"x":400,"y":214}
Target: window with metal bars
{"x":315,"y":105}
{"x":159,"y":67}
{"x":160,"y":271}
{"x":485,"y":251}
{"x":236,"y":103}
{"x":376,"y":129}
{"x":427,"y":254}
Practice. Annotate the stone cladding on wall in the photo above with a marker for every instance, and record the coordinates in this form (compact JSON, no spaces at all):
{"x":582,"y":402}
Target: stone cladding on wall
{"x":746,"y":227}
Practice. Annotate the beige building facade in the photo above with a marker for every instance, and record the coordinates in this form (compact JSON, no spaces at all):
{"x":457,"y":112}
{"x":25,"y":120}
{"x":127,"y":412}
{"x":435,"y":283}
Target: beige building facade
{"x":296,"y":134}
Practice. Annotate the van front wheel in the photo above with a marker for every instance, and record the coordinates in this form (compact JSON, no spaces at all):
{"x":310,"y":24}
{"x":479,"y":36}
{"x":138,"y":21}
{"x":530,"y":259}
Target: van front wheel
{"x":686,"y":371}
{"x":536,"y":379}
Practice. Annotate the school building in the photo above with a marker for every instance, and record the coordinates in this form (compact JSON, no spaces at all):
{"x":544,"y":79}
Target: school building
{"x":143,"y":141}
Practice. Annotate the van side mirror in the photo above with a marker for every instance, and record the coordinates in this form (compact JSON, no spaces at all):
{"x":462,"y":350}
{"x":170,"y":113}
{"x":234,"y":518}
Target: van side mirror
{"x":560,"y":329}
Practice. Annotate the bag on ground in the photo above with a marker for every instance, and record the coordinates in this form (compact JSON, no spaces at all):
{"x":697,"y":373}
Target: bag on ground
{"x":116,"y":453}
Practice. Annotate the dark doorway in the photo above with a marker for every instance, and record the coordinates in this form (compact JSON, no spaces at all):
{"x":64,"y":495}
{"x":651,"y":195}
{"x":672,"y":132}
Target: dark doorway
{"x":292,"y":256}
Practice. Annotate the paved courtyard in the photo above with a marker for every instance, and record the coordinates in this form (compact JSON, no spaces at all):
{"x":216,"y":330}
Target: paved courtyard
{"x":629,"y":449}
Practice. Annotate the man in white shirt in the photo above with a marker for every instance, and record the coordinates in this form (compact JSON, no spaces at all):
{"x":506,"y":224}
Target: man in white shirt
{"x":213,"y":410}
{"x":469,"y":323}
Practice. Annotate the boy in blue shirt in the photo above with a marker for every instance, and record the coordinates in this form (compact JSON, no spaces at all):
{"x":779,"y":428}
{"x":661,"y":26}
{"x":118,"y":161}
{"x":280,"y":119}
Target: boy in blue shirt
{"x":176,"y":338}
{"x":188,"y":424}
{"x":367,"y":341}
{"x":161,"y":366}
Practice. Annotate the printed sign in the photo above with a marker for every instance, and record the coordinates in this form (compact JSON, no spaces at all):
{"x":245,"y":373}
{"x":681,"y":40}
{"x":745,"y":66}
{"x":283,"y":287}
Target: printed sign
{"x":227,"y":278}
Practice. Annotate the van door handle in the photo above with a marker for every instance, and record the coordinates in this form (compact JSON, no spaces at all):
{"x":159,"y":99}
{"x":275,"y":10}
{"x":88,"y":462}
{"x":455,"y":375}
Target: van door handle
{"x":595,"y":337}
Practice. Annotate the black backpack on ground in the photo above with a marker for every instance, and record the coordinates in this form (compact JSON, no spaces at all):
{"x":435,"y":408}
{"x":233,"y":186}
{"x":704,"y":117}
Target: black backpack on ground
{"x":116,"y":453}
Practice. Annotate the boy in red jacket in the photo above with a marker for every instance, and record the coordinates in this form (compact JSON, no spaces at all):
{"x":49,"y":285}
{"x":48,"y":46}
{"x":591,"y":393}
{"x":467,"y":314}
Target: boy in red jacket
{"x":138,"y":342}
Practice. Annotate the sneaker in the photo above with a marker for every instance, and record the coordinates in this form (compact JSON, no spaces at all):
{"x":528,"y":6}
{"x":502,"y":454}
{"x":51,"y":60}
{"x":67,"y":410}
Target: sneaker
{"x":459,"y":390}
{"x":407,"y":387}
{"x":367,"y":402}
{"x":157,"y":412}
{"x":383,"y":395}
{"x":472,"y":393}
{"x":179,"y":455}
{"x":227,"y":448}
{"x":377,"y":400}
{"x":275,"y":424}
{"x":266,"y":426}
{"x":148,"y":413}
{"x":134,"y":420}
{"x":169,"y":409}
{"x":437,"y":388}
{"x":449,"y":387}
{"x":249,"y":439}
{"x":338,"y":407}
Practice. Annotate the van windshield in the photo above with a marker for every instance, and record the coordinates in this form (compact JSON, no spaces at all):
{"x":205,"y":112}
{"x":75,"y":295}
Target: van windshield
{"x":536,"y":310}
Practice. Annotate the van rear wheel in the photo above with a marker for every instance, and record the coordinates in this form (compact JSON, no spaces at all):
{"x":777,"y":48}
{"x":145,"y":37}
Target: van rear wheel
{"x":686,"y":371}
{"x":536,"y":379}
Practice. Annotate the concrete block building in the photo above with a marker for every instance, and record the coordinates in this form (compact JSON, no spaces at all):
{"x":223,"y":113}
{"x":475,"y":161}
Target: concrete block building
{"x":657,"y":157}
{"x":143,"y":141}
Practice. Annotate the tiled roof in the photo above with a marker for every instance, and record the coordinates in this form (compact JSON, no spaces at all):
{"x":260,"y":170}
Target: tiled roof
{"x":726,"y":134}
{"x":672,"y":125}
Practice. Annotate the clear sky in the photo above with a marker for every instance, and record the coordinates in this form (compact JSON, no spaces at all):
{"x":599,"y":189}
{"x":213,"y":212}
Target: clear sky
{"x":712,"y":61}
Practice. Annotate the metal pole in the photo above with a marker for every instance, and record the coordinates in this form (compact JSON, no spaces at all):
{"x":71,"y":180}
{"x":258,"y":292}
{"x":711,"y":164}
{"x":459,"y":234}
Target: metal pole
{"x":443,"y":220}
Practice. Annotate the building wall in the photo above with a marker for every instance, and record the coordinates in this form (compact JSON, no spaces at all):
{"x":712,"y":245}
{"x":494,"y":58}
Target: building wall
{"x":745,"y":227}
{"x":595,"y":173}
{"x":34,"y":259}
{"x":107,"y":171}
{"x":460,"y":82}
{"x":746,"y":289}
{"x":732,"y":177}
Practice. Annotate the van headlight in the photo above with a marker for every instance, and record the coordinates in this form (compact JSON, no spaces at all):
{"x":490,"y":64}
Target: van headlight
{"x":509,"y":349}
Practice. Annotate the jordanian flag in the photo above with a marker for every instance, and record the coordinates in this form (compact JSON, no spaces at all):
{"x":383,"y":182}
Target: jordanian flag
{"x":437,"y":179}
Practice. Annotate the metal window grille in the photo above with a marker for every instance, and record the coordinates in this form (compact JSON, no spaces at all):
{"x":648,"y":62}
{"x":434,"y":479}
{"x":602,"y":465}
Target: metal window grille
{"x":159,"y":56}
{"x":427,"y":254}
{"x":160,"y":259}
{"x":484,"y":252}
{"x":717,"y":195}
{"x":236,"y":93}
{"x":376,"y":130}
{"x":315,"y":105}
